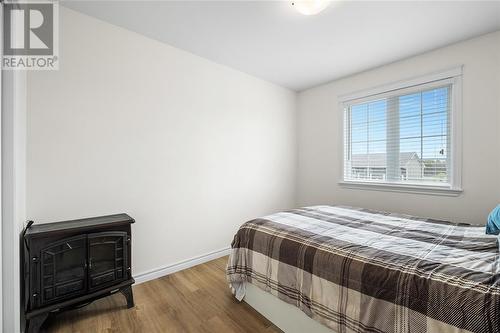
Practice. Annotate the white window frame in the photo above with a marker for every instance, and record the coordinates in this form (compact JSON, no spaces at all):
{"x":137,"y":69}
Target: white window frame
{"x":451,"y":76}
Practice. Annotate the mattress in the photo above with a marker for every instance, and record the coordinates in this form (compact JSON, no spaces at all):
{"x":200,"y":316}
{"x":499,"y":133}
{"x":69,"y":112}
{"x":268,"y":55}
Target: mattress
{"x":359,"y":270}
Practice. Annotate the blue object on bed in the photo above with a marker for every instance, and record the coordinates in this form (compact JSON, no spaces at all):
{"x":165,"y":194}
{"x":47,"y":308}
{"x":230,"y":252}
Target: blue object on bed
{"x":493,"y":225}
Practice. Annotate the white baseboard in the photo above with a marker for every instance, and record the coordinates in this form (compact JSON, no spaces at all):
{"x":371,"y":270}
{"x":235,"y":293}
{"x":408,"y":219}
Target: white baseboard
{"x":179,"y":266}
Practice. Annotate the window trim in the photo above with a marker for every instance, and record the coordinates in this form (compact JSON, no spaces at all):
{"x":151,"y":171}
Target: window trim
{"x":452,"y":76}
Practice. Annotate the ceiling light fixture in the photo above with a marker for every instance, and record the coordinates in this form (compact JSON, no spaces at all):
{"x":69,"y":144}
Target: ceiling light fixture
{"x":310,"y":7}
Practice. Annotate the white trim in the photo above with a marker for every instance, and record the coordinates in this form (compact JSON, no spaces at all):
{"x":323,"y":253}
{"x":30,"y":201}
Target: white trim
{"x":402,"y":188}
{"x":1,"y":206}
{"x":179,"y":266}
{"x":341,"y":139}
{"x":1,"y":111}
{"x":13,"y":193}
{"x":456,"y":133}
{"x":412,"y":82}
{"x":451,"y":77}
{"x":401,"y":91}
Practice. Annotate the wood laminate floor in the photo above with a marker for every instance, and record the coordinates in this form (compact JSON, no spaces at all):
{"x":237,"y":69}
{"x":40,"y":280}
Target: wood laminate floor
{"x":197,"y":299}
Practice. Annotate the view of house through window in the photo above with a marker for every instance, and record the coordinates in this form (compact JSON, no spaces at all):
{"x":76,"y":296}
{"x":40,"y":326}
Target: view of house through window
{"x":401,"y":138}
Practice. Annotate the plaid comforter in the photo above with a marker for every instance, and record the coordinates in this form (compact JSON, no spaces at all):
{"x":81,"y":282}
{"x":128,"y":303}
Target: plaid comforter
{"x":358,"y":270}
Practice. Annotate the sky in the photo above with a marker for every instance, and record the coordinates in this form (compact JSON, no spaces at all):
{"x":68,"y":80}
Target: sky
{"x":423,"y":124}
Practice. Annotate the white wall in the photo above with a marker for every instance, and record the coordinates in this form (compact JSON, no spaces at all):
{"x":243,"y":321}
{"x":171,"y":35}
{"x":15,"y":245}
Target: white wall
{"x":318,"y":136}
{"x":189,"y":148}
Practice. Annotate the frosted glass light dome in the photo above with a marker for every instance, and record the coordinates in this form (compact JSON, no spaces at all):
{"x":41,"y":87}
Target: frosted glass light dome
{"x":310,"y":7}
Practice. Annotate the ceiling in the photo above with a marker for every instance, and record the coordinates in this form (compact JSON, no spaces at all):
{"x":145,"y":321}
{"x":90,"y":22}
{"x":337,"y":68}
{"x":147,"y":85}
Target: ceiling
{"x":270,"y":40}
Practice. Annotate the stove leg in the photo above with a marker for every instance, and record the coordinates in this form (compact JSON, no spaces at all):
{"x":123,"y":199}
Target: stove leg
{"x":35,"y":323}
{"x":129,"y":296}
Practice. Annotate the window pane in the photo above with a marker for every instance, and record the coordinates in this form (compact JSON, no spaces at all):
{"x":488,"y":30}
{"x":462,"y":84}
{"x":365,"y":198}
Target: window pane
{"x":359,"y":114}
{"x":412,"y":145}
{"x":417,"y":148}
{"x":409,"y":105}
{"x":359,"y":132}
{"x":435,"y":124}
{"x":409,"y":127}
{"x":436,"y":170}
{"x":377,"y":147}
{"x":435,"y":100}
{"x":359,"y":148}
{"x":377,"y":111}
{"x":434,"y":147}
{"x":377,"y":120}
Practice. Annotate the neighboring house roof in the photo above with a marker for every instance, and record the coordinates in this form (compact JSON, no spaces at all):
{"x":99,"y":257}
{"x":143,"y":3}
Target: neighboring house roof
{"x":378,"y":160}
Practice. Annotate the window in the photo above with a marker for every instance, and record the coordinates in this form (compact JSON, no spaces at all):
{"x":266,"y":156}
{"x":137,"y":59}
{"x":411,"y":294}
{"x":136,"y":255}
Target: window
{"x":404,"y":136}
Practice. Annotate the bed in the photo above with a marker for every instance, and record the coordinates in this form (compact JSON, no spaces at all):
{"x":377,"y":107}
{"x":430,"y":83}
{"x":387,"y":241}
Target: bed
{"x":359,"y":270}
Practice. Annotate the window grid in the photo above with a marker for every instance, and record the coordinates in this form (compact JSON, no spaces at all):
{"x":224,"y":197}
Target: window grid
{"x":429,"y":163}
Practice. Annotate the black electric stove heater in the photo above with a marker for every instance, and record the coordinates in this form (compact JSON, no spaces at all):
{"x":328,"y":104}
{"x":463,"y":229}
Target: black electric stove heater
{"x":71,"y":263}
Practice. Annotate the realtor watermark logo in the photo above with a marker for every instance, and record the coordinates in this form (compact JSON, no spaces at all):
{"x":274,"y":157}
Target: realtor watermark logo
{"x":30,"y":35}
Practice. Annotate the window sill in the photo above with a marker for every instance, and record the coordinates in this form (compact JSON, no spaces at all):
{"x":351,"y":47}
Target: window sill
{"x":403,"y":188}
